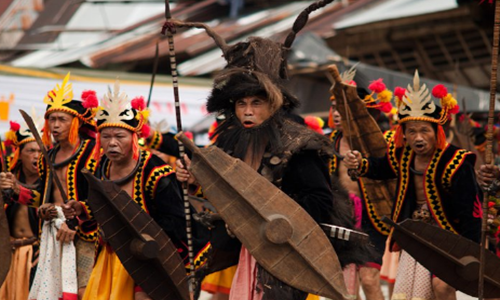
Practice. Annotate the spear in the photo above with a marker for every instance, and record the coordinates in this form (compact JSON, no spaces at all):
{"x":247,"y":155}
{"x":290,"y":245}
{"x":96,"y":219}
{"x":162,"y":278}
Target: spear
{"x":489,"y":143}
{"x":169,"y":30}
{"x":153,"y":76}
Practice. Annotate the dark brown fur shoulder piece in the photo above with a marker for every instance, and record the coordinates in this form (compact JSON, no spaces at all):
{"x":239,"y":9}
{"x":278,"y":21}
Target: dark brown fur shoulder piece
{"x":296,"y":138}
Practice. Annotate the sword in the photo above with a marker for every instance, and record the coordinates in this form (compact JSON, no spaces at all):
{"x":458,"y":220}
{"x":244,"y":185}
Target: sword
{"x":31,"y":125}
{"x":7,"y":193}
{"x":36,"y":135}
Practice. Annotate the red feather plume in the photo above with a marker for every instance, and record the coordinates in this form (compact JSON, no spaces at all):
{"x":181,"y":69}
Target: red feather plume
{"x":138,"y":103}
{"x":14,"y":126}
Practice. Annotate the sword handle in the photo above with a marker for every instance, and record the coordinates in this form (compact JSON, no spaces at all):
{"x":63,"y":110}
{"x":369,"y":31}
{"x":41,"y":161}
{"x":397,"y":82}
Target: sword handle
{"x":353,"y":173}
{"x":7,"y":195}
{"x":72,"y":224}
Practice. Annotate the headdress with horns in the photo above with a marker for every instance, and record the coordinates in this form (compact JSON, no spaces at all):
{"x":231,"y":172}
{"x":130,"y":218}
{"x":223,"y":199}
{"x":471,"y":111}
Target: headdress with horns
{"x":256,"y":67}
{"x":116,"y":111}
{"x":416,"y":104}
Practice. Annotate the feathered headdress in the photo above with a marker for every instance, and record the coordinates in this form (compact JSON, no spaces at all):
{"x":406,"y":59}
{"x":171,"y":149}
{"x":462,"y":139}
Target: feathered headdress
{"x":60,"y":99}
{"x":382,"y":99}
{"x":416,"y":104}
{"x":116,"y":111}
{"x":19,"y":135}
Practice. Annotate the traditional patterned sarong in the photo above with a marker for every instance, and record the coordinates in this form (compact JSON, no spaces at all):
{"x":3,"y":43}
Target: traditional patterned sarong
{"x":109,"y":279}
{"x":55,"y":277}
{"x":17,"y":283}
{"x":390,"y":262}
{"x":85,"y":255}
{"x":413,"y":281}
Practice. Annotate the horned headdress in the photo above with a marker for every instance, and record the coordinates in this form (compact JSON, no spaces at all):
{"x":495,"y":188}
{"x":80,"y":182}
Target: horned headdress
{"x":255,"y":67}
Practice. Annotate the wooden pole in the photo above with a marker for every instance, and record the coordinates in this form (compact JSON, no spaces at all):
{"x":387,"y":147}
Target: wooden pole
{"x":169,"y":29}
{"x":489,"y":144}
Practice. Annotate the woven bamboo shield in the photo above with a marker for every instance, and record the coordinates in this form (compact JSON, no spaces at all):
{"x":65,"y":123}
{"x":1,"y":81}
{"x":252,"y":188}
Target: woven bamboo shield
{"x":144,"y":249}
{"x":452,"y":258}
{"x":278,"y":232}
{"x":461,"y":138}
{"x":359,"y":127}
{"x":5,"y":247}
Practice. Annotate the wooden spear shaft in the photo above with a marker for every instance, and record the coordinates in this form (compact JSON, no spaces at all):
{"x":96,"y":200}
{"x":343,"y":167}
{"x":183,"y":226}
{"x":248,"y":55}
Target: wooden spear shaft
{"x":489,"y":144}
{"x":169,"y":29}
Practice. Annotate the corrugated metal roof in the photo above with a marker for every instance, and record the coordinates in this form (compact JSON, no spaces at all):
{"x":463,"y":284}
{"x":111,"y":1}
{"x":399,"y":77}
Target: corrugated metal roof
{"x":393,"y":9}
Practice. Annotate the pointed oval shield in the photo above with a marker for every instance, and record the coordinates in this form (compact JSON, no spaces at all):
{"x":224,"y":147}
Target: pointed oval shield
{"x":278,"y":232}
{"x":452,"y":258}
{"x":144,"y":249}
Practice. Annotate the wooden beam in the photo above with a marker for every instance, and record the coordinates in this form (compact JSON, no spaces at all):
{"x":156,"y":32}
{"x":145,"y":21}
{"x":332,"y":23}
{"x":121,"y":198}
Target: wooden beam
{"x":398,"y":60}
{"x":379,"y":60}
{"x":486,"y":40}
{"x":424,"y":61}
{"x":442,"y":46}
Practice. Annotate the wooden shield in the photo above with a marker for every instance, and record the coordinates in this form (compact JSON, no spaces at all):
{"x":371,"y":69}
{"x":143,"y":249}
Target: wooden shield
{"x":461,"y":138}
{"x":5,"y":247}
{"x":452,"y":258}
{"x":144,"y":249}
{"x":359,"y":127}
{"x":278,"y":232}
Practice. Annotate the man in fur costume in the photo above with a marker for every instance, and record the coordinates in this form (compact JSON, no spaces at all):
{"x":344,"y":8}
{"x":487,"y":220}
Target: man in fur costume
{"x":419,"y":156}
{"x":258,"y":130}
{"x":23,"y":220}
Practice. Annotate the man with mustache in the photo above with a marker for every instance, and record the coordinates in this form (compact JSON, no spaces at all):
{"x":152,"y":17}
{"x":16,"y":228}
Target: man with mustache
{"x":23,"y":220}
{"x":436,"y":181}
{"x":258,"y":130}
{"x":70,"y":124}
{"x":145,"y":177}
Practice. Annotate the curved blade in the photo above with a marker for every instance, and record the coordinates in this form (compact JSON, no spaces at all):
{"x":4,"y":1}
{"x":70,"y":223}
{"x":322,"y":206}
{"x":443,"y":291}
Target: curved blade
{"x":452,"y":258}
{"x":277,"y":231}
{"x":123,"y":221}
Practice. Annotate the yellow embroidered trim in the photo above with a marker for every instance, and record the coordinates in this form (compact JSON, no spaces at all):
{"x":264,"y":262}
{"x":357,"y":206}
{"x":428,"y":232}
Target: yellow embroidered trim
{"x":363,"y":169}
{"x":388,"y":135}
{"x":155,"y":175}
{"x":72,"y":170}
{"x":404,"y":178}
{"x":156,"y":140}
{"x":138,"y":194}
{"x":452,"y":167}
{"x":121,"y":125}
{"x":391,"y":154}
{"x":433,"y":199}
{"x":375,"y":219}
